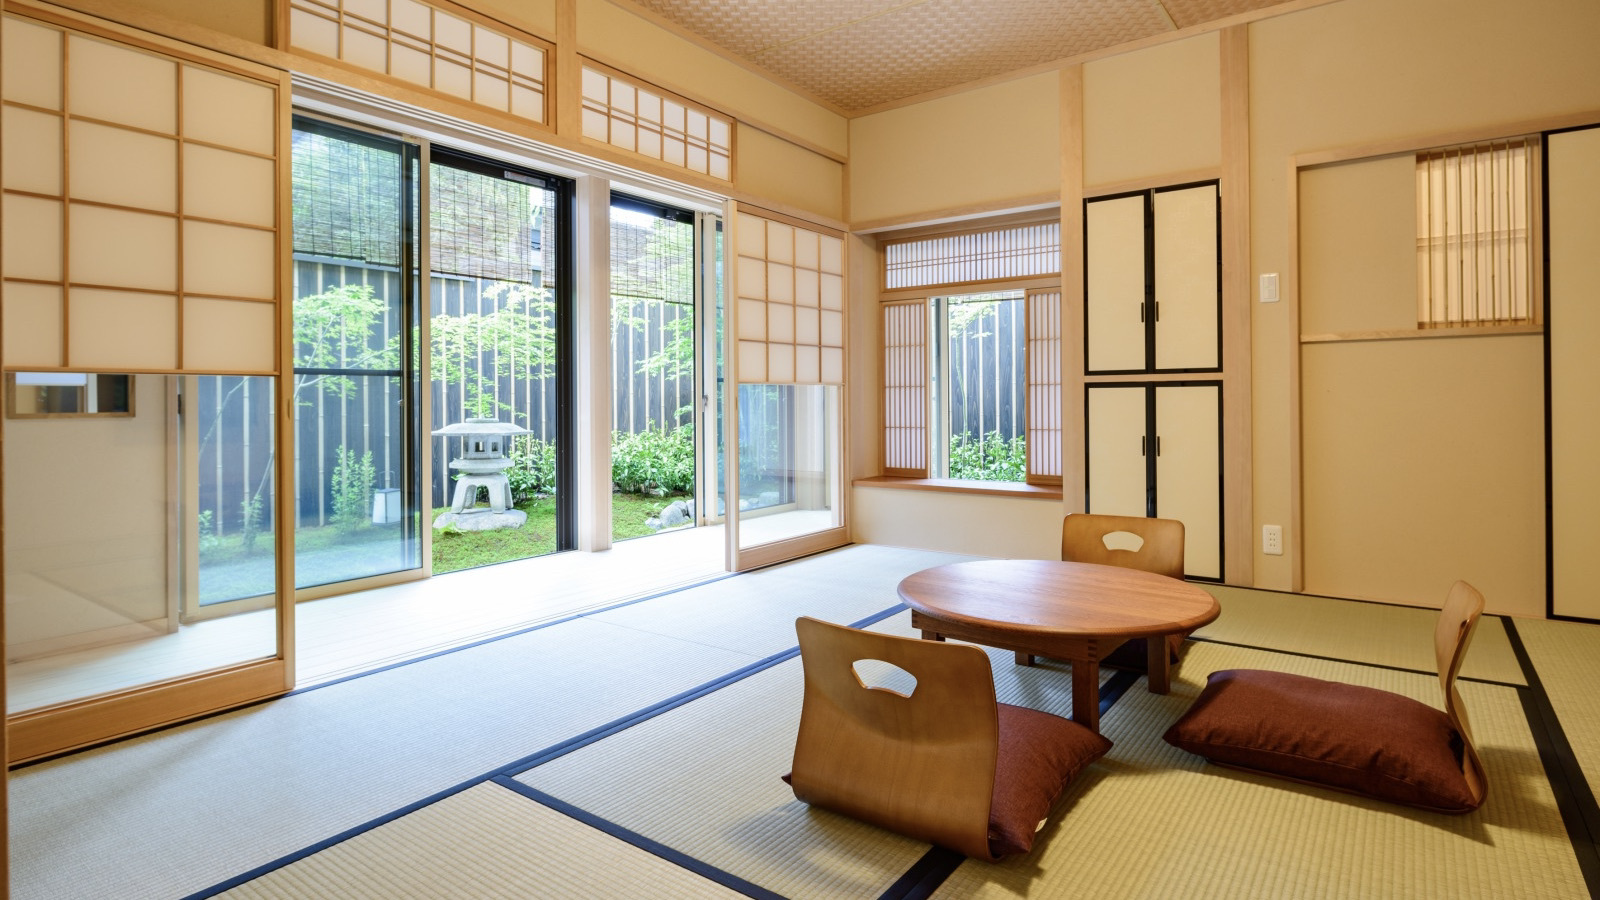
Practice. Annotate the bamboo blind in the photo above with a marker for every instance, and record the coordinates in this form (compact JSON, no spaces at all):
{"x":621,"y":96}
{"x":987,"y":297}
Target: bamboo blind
{"x":656,"y":124}
{"x":143,"y":190}
{"x":425,"y":46}
{"x":905,"y":389}
{"x":1017,"y":252}
{"x":1475,"y":205}
{"x":1044,"y":387}
{"x":789,"y":284}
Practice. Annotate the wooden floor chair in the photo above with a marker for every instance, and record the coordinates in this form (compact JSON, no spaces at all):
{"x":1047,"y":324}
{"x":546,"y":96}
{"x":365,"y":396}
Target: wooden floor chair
{"x":1350,"y":738}
{"x":945,"y":763}
{"x":1157,"y":546}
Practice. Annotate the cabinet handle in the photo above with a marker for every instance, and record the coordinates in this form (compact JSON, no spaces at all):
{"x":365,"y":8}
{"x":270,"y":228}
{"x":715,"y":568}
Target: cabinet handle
{"x":1158,"y":310}
{"x":1141,"y":312}
{"x":1142,"y":445}
{"x":1158,"y":445}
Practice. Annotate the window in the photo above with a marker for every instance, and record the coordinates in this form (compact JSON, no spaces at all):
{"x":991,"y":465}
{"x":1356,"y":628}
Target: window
{"x":972,"y":385}
{"x":1474,"y":253}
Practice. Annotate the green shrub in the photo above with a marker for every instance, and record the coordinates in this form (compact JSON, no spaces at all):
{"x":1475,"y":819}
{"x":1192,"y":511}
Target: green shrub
{"x":653,"y":461}
{"x":989,"y":458}
{"x":533,"y":468}
{"x":249,"y":522}
{"x":353,"y":477}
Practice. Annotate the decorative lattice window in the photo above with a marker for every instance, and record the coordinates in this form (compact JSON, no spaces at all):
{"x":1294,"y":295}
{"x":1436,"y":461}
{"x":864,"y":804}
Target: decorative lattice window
{"x":996,"y":254}
{"x":1475,"y":209}
{"x":656,"y":124}
{"x":427,"y":46}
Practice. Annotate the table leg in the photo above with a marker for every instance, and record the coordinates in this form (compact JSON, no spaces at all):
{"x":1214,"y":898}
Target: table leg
{"x":932,"y":635}
{"x":1086,"y":693}
{"x":1024,"y":659}
{"x":1158,"y":665}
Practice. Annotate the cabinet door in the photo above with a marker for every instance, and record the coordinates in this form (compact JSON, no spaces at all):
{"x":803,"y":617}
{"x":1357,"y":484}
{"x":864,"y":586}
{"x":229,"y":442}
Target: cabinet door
{"x":1118,"y":433}
{"x":1188,"y":444}
{"x":1188,"y":276}
{"x":1114,"y":271}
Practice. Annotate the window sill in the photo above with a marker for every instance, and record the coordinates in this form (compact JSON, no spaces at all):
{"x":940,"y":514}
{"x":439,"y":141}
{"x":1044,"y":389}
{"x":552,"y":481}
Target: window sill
{"x":959,"y":486}
{"x":1422,"y":333}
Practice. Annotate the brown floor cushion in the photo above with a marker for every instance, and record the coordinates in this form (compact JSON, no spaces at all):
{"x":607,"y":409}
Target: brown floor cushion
{"x":1350,"y":738}
{"x":1040,"y":754}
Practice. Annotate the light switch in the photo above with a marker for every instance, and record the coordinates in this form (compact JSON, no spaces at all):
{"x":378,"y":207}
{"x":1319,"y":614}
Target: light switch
{"x":1269,"y":287}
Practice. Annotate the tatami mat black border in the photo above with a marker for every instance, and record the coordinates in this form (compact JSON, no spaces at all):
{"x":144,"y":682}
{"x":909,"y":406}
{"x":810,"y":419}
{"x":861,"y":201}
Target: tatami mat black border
{"x":924,"y":877}
{"x":1574,"y":795}
{"x":533,"y":760}
{"x":655,"y":848}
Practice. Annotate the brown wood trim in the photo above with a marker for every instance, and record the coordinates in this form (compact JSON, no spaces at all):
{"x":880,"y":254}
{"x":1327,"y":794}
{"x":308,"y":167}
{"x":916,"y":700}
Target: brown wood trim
{"x":1074,"y":436}
{"x":746,"y":558}
{"x":820,"y":224}
{"x":1238,"y":476}
{"x":114,"y":19}
{"x":565,"y":98}
{"x":958,"y":486}
{"x":1464,"y":331}
{"x":69,"y":726}
{"x":951,"y":220}
{"x":1444,"y":139}
{"x":1031,"y":283}
{"x":1290,"y":293}
{"x":1210,"y":173}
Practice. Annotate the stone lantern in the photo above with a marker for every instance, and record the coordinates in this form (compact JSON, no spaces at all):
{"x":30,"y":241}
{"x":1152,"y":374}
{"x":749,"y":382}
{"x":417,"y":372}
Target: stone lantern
{"x":483,"y":463}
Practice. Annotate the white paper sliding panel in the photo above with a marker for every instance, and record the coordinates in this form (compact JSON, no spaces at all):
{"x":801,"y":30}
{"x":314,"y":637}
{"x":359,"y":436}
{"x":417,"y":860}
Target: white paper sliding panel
{"x":1044,"y":387}
{"x":644,"y":119}
{"x":443,"y":48}
{"x":1115,"y":268}
{"x":1574,"y":283}
{"x":1118,"y":437}
{"x":145,"y":182}
{"x":1188,"y":278}
{"x":905,"y":389}
{"x":789,"y":296}
{"x":1188,"y":444}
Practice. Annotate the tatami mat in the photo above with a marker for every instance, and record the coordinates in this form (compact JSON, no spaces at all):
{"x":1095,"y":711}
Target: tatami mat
{"x":485,"y":843}
{"x":1567,"y":657}
{"x":1375,"y":633}
{"x":181,"y":810}
{"x":1156,"y":822}
{"x":730,"y":808}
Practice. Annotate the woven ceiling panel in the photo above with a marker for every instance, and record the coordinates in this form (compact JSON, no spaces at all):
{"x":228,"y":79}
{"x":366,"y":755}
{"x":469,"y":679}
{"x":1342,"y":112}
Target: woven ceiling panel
{"x":862,"y":53}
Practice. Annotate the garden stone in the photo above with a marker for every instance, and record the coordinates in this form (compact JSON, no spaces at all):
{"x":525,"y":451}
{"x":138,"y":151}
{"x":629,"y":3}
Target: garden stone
{"x":481,"y":520}
{"x":768,"y":498}
{"x":676,"y":513}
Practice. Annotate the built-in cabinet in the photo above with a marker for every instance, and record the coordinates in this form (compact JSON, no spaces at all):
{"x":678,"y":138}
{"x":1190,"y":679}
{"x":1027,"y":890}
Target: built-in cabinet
{"x":1153,"y":281}
{"x":1155,"y":449}
{"x":1152,"y":310}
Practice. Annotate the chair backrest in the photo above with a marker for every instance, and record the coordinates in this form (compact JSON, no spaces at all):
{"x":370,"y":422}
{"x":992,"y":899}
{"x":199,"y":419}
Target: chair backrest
{"x":1083,"y":540}
{"x":922,"y":764}
{"x":1451,"y":636}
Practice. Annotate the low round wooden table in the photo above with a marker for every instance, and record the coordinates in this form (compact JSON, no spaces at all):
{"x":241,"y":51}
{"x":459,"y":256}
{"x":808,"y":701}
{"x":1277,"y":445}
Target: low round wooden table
{"x":1073,"y":611}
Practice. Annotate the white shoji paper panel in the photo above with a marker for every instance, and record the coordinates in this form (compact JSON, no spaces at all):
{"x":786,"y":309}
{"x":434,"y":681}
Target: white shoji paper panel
{"x":231,"y":327}
{"x":32,"y":324}
{"x":121,"y":84}
{"x":123,"y":167}
{"x":428,"y":47}
{"x":30,"y":63}
{"x":122,"y":330}
{"x":30,"y":150}
{"x":228,"y":260}
{"x":122,"y":248}
{"x":35,"y":251}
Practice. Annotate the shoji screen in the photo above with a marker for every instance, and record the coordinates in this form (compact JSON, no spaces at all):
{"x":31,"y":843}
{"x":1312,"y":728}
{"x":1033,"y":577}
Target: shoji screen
{"x":790,"y":292}
{"x":1044,"y":387}
{"x":141,"y":208}
{"x":426,"y":46}
{"x":905,"y":389}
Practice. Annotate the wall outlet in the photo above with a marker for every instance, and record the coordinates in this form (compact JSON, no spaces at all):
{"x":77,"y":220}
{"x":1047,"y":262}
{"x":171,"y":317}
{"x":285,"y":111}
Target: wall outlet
{"x":1269,"y":287}
{"x":1272,"y":540}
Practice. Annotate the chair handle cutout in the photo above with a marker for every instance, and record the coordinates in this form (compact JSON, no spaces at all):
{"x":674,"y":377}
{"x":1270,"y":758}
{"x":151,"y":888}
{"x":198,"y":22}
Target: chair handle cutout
{"x":878,"y":675}
{"x":1122,"y":540}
